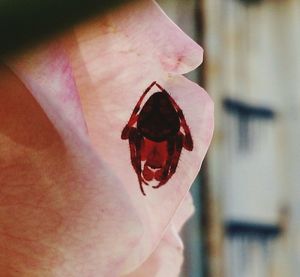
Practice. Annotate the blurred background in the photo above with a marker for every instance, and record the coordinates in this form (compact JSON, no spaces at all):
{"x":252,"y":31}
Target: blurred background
{"x":247,"y":195}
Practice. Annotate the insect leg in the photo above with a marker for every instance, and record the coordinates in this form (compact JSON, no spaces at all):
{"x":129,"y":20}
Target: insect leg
{"x":135,"y":142}
{"x":173,"y":161}
{"x":165,"y":176}
{"x":160,"y":87}
{"x":187,"y":141}
{"x":179,"y":145}
{"x":134,"y":116}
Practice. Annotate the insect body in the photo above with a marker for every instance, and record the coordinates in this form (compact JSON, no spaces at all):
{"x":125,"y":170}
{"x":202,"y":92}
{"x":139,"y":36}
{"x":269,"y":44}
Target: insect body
{"x":156,"y":133}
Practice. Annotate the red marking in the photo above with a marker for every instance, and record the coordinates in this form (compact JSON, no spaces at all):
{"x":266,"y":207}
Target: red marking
{"x":154,"y":153}
{"x":148,"y":174}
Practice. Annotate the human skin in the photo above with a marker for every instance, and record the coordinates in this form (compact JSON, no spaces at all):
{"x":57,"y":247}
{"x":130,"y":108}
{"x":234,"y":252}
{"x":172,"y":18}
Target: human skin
{"x":52,"y":207}
{"x":70,"y":203}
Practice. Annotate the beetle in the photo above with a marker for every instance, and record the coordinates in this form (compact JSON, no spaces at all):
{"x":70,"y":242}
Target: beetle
{"x":157,"y":132}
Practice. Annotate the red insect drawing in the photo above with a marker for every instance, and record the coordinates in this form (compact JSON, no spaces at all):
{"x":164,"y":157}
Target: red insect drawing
{"x":157,"y":132}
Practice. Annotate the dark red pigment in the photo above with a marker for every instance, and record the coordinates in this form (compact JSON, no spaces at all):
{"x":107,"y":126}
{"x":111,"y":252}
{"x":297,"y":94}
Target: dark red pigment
{"x":157,"y":132}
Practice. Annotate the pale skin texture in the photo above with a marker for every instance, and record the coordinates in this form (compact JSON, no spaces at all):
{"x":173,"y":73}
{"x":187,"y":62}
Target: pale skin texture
{"x":70,"y":203}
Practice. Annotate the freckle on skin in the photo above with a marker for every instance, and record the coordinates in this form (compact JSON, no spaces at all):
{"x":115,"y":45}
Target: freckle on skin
{"x":179,"y":60}
{"x":173,"y":61}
